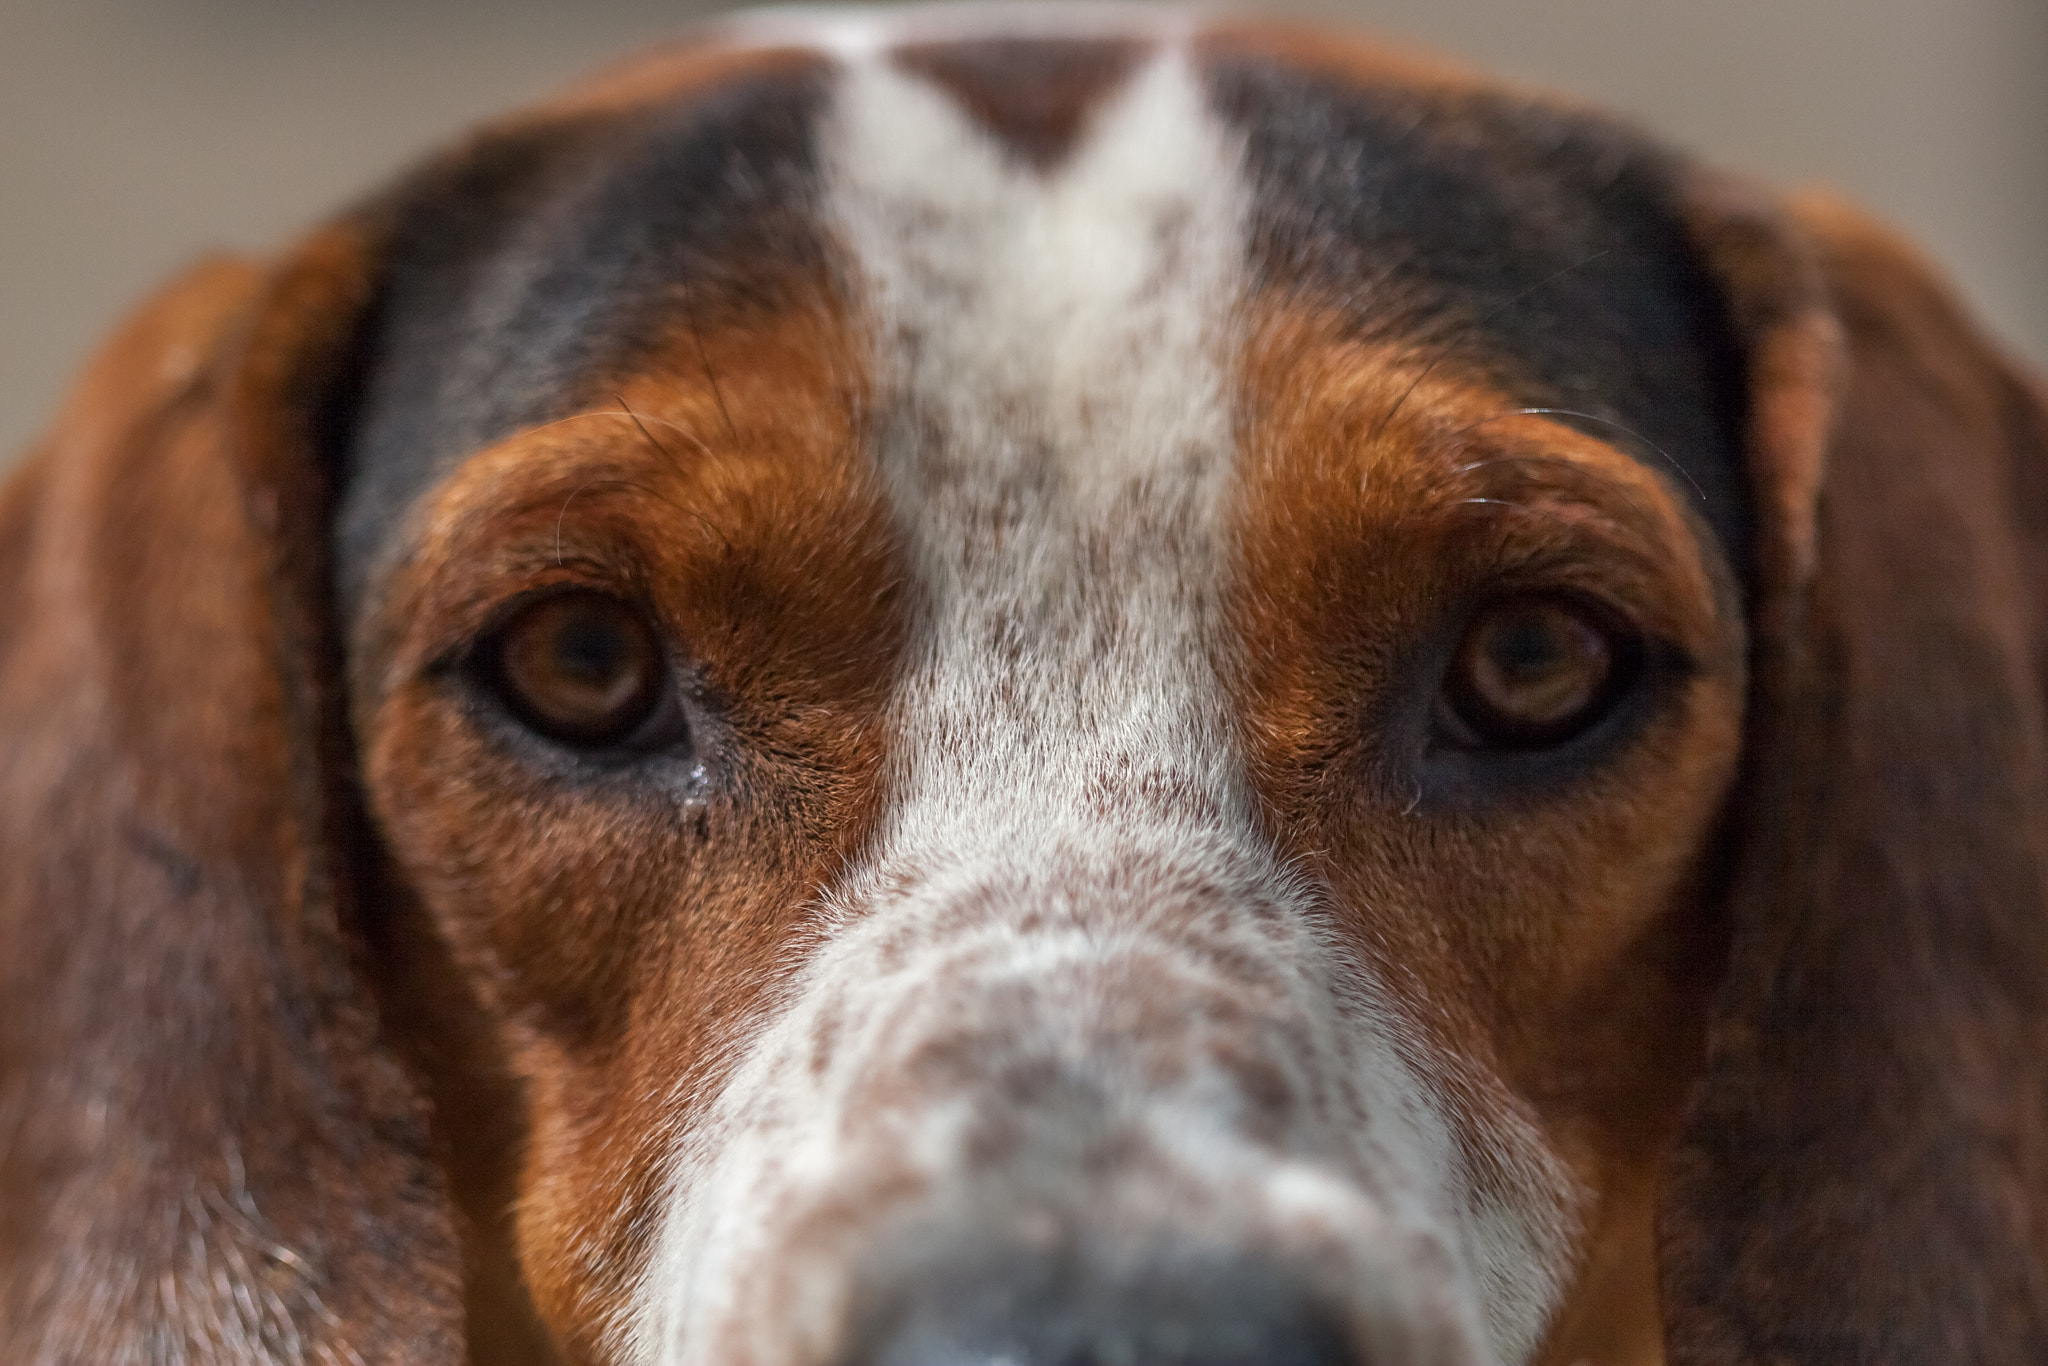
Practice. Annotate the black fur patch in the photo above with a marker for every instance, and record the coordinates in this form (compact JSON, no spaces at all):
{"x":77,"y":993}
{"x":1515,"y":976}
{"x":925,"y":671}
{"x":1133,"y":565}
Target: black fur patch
{"x":1540,"y":245}
{"x":525,"y":269}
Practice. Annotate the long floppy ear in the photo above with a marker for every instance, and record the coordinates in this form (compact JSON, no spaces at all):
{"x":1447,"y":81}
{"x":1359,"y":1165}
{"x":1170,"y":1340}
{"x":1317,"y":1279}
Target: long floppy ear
{"x":206,"y":1153}
{"x":1863,"y":1177}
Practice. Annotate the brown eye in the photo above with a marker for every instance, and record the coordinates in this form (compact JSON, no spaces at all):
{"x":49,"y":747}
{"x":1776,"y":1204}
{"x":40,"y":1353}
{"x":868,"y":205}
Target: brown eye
{"x":1532,"y":672}
{"x":583,"y":668}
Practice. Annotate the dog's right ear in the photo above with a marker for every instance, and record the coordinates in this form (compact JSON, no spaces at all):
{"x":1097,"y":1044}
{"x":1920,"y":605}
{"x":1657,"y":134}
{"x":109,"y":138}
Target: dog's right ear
{"x":1863,"y":1177}
{"x":207,"y":1151}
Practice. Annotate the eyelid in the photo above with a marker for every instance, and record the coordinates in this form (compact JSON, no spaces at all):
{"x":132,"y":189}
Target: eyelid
{"x":466,"y":625}
{"x":1627,"y":547}
{"x":1631,"y":590}
{"x":662,"y":725}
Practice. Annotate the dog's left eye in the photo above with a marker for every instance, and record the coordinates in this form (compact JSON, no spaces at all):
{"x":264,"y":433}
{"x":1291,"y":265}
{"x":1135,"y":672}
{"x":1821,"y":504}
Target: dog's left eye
{"x":582,"y":668}
{"x":1532,"y":672}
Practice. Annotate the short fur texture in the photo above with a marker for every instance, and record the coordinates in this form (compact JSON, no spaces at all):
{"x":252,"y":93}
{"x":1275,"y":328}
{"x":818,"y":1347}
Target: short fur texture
{"x":1060,"y":451}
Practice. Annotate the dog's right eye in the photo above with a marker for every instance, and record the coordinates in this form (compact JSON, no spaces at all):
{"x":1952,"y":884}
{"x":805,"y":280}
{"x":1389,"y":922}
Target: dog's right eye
{"x":583,"y":668}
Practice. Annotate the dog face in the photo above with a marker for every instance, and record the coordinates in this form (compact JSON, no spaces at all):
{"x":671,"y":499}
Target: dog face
{"x":1032,"y":732}
{"x":1047,"y":691}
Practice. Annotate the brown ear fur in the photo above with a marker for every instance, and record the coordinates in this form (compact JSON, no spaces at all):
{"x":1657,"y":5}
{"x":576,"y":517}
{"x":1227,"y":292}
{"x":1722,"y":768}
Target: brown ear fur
{"x":1863,"y":1177}
{"x":206,"y":1155}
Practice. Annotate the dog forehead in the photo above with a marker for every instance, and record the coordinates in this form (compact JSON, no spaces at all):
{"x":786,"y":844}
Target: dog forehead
{"x":1532,"y":244}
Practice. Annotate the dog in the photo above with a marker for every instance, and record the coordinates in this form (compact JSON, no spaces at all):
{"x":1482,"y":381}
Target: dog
{"x":1060,"y":687}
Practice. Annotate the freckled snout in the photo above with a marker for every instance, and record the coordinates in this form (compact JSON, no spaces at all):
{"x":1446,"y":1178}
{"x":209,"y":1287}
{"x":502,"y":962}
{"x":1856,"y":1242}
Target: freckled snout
{"x":981,"y":1303}
{"x":1103,"y":1205}
{"x":1116,"y":1120}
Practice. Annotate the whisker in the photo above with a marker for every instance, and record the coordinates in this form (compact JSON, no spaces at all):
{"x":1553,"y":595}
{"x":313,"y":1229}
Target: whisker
{"x":644,"y":491}
{"x":1624,"y":428}
{"x":1619,"y":489}
{"x":1444,"y":352}
{"x":704,"y":359}
{"x":664,"y":451}
{"x":1513,"y":506}
{"x":563,"y":512}
{"x":674,"y":464}
{"x":587,"y":414}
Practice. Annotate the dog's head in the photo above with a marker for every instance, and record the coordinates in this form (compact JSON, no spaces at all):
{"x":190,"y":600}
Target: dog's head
{"x":1092,"y":693}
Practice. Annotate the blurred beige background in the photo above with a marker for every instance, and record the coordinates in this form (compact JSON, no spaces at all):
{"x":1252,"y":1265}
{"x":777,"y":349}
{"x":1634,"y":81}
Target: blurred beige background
{"x":135,"y":134}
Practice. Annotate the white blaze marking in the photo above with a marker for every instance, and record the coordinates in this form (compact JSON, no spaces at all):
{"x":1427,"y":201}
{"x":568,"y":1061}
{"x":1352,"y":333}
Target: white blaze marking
{"x":1060,"y":447}
{"x":1066,"y":813}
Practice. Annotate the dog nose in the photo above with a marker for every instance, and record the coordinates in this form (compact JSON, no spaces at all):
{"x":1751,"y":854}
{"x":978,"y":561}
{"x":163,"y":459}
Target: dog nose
{"x":1031,"y":1310}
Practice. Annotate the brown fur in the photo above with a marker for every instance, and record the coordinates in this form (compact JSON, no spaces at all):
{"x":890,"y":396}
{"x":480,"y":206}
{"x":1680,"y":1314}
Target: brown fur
{"x":203,"y":1146}
{"x":1558,"y":944}
{"x":1863,"y":1176}
{"x":614,"y":953}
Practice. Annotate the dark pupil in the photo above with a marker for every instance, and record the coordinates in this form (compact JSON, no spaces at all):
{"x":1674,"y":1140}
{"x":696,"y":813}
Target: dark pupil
{"x":591,"y":649}
{"x":1527,"y":649}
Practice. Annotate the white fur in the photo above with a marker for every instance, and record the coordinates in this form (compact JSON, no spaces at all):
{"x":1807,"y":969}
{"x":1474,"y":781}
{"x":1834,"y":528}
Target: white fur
{"x":1068,"y":873}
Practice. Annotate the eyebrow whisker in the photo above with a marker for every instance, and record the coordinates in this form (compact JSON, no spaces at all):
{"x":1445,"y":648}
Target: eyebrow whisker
{"x":1444,"y":351}
{"x":642,"y":489}
{"x":1622,"y":427}
{"x":1513,"y":506}
{"x":1619,"y":489}
{"x":586,"y":415}
{"x":664,"y":451}
{"x":563,"y":512}
{"x":704,"y":358}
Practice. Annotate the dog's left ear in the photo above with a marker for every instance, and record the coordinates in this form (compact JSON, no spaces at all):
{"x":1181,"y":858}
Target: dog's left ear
{"x":207,"y":1151}
{"x":1863,"y":1176}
